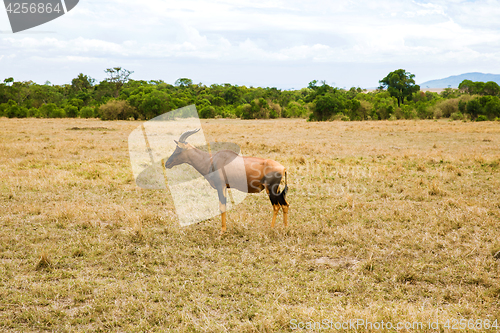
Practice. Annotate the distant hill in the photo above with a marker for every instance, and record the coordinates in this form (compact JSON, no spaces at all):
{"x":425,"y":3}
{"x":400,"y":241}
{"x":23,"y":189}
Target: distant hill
{"x":455,"y":80}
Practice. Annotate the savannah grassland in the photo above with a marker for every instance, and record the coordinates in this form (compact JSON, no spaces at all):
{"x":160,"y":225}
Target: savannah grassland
{"x":395,"y":221}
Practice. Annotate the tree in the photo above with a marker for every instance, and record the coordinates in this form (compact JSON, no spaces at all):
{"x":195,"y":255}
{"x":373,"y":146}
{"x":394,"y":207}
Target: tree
{"x":400,"y":84}
{"x":82,"y":83}
{"x":9,"y":80}
{"x":118,"y":76}
{"x":233,"y":95}
{"x":466,"y":86}
{"x":183,"y":82}
{"x":492,"y":108}
{"x":474,"y":108}
{"x":328,"y":105}
{"x":491,"y":88}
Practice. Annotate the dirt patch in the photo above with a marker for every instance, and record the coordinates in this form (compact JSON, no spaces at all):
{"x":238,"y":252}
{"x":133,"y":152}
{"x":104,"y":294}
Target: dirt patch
{"x":90,"y":129}
{"x":338,"y":262}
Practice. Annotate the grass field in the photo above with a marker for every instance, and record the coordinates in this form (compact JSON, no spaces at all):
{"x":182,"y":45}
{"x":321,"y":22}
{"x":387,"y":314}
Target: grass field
{"x":389,"y":221}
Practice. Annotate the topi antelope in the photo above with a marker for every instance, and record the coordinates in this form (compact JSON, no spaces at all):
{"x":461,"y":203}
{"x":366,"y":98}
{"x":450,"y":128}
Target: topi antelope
{"x":259,"y":174}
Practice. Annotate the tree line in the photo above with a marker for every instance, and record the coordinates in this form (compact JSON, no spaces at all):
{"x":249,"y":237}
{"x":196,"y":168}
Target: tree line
{"x":119,"y":97}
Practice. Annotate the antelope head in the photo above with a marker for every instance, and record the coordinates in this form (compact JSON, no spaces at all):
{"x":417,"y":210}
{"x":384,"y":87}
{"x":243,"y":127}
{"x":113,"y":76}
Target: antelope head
{"x":180,"y":155}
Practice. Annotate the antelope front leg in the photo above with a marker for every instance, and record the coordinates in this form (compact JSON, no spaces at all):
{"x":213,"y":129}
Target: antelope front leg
{"x":222,"y":207}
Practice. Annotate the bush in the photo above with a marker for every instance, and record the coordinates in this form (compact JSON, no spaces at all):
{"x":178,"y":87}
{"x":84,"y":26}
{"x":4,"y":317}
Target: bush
{"x":448,"y":107}
{"x":482,"y":118}
{"x":11,"y":109}
{"x":474,"y":108}
{"x":22,"y":112}
{"x":383,"y":110}
{"x":50,"y":110}
{"x":492,"y":107}
{"x":341,"y":116}
{"x":259,"y":109}
{"x":407,"y":112}
{"x":364,"y":110}
{"x":76,"y":102}
{"x":275,"y":110}
{"x":87,"y":112}
{"x":438,"y":113}
{"x":117,"y":110}
{"x":424,"y":112}
{"x":294,"y":110}
{"x":242,"y":111}
{"x":462,"y":106}
{"x":71,"y":111}
{"x":57,"y":113}
{"x":328,"y":106}
{"x":32,"y":112}
{"x":457,"y":116}
{"x":207,"y":112}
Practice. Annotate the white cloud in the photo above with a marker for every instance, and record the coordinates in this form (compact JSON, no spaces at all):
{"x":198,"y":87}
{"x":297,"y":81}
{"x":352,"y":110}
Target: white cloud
{"x":292,"y":33}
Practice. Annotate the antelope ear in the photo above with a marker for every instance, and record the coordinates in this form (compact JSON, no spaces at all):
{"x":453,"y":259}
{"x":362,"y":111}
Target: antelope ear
{"x":176,"y":142}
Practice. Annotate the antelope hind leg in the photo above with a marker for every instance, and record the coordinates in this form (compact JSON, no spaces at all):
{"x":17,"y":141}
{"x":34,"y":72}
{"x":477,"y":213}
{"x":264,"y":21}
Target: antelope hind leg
{"x":285,"y":214}
{"x":276,"y":209}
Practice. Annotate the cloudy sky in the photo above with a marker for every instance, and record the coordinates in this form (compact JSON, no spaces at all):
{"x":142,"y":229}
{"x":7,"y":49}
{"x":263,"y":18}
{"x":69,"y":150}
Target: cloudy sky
{"x":260,"y":43}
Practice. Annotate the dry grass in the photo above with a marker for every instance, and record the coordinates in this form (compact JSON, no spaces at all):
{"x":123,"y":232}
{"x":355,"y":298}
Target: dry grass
{"x":393,"y":221}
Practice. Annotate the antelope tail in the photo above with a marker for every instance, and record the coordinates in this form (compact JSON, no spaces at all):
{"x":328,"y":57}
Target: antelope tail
{"x":282,"y":196}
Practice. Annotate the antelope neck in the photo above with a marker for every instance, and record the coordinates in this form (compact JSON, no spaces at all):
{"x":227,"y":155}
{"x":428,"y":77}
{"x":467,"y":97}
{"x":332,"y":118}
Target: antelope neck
{"x":201,"y":161}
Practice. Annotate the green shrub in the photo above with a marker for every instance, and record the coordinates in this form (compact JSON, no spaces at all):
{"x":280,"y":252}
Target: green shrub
{"x":474,"y":108}
{"x":257,"y":109}
{"x":78,"y":103}
{"x":437,"y":112}
{"x":482,"y":118}
{"x":274,"y":110}
{"x":363,"y":110}
{"x":462,"y":106}
{"x":71,"y":111}
{"x":50,"y":110}
{"x":329,"y":105}
{"x":341,"y":116}
{"x":87,"y":112}
{"x":22,"y":112}
{"x":11,"y":109}
{"x":456,"y":116}
{"x":407,"y":112}
{"x":32,"y":112}
{"x":57,"y":113}
{"x":424,"y":112}
{"x":242,"y":110}
{"x":294,"y":110}
{"x":207,"y":112}
{"x":448,"y":107}
{"x":117,"y":110}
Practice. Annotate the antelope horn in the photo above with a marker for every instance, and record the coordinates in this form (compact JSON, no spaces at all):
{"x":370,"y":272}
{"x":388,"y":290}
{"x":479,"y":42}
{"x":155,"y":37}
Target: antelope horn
{"x":186,"y":134}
